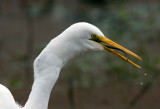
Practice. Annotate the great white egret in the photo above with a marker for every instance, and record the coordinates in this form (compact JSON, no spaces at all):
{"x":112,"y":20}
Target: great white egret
{"x":76,"y":39}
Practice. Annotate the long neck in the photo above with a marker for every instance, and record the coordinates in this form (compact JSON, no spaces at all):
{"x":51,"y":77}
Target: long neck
{"x":39,"y":96}
{"x":46,"y":73}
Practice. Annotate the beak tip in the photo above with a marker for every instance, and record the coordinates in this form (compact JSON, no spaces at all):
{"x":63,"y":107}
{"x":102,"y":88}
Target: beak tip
{"x":140,"y":59}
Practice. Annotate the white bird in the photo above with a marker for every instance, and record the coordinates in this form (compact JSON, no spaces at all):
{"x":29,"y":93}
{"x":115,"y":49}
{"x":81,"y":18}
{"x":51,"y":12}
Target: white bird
{"x":76,"y":39}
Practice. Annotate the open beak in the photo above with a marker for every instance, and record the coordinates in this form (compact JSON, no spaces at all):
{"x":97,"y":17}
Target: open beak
{"x":112,"y":45}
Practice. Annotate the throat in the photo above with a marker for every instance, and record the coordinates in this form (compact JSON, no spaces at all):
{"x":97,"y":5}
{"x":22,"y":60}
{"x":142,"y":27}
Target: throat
{"x":47,"y":67}
{"x":46,"y":73}
{"x":41,"y":89}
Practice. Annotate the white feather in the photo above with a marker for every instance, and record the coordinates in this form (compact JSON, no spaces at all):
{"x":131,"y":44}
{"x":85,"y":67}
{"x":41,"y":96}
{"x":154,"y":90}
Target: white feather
{"x":6,"y":99}
{"x":47,"y":65}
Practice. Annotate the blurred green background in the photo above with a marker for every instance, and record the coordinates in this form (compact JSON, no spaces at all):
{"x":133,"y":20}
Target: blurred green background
{"x":94,"y":80}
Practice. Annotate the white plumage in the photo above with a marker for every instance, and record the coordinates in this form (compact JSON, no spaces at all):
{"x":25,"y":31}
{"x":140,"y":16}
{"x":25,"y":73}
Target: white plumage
{"x":76,"y":39}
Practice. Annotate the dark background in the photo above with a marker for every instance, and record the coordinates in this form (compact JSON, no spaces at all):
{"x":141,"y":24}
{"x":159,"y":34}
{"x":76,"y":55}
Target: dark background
{"x":94,"y":80}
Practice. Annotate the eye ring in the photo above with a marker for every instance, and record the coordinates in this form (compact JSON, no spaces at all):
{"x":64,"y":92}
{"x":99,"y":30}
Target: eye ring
{"x":95,"y":38}
{"x":93,"y":35}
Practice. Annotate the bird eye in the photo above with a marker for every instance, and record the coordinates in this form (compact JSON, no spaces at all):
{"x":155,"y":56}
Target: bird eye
{"x":93,"y":36}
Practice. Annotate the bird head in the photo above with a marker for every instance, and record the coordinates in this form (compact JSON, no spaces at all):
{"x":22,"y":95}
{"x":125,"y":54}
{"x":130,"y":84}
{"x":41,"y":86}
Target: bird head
{"x":87,"y":37}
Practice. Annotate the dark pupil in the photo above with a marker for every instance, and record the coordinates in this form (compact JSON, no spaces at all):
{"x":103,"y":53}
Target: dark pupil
{"x":94,"y":36}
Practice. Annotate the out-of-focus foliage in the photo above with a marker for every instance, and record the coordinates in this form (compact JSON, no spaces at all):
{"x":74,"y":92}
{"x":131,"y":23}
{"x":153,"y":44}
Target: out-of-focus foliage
{"x":103,"y":2}
{"x":135,"y":26}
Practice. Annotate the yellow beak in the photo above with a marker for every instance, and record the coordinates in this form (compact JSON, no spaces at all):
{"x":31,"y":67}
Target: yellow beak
{"x":103,"y":40}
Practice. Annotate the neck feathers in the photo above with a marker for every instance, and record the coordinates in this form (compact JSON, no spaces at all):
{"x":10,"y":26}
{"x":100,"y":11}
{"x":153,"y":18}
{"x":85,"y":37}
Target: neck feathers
{"x":46,"y":72}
